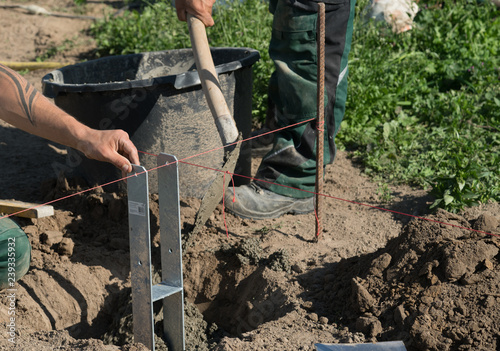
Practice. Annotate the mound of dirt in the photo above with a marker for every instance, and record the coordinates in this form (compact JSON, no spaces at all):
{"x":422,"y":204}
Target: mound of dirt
{"x":435,"y":286}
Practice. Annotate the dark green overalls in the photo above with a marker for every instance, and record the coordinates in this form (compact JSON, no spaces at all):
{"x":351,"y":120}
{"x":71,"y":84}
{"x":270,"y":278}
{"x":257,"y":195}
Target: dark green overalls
{"x":292,"y":89}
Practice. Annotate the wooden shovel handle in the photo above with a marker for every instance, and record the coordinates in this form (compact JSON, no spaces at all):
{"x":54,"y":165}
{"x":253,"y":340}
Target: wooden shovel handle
{"x":210,"y":81}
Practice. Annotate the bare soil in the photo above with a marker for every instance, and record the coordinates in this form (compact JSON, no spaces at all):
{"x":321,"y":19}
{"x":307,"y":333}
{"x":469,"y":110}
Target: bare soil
{"x":376,"y":275}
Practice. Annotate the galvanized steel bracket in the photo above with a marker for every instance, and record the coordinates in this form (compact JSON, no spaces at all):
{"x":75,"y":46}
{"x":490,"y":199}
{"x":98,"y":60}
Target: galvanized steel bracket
{"x":170,"y":290}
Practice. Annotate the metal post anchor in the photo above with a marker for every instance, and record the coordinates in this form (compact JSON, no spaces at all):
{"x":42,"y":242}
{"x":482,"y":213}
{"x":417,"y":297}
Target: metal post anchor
{"x":170,"y":290}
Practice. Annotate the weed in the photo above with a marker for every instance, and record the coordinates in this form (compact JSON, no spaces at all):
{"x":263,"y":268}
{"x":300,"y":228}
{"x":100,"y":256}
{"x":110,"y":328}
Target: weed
{"x":266,"y":230}
{"x":383,"y":192}
{"x":53,"y":50}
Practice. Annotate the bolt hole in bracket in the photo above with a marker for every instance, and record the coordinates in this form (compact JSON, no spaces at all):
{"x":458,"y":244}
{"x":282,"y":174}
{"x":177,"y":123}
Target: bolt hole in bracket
{"x":170,"y":290}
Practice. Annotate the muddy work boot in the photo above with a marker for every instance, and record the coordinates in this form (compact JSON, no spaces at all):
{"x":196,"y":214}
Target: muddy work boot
{"x":254,"y":202}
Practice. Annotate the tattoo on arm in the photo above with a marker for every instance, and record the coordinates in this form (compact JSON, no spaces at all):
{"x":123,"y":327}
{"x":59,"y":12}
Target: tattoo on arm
{"x":26,"y":94}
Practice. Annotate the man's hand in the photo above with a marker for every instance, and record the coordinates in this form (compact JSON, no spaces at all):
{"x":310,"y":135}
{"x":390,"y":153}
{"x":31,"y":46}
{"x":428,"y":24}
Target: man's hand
{"x":113,"y":146}
{"x":201,"y":9}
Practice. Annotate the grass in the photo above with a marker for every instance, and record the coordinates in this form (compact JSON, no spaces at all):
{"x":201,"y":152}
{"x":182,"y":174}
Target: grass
{"x":423,"y":106}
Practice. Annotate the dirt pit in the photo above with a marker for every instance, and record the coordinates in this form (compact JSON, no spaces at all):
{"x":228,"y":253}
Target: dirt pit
{"x":264,"y":285}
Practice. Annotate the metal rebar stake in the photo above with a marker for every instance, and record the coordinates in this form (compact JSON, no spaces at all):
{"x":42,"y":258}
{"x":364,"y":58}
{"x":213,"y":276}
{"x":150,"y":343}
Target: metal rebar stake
{"x":320,"y":127}
{"x":170,"y":290}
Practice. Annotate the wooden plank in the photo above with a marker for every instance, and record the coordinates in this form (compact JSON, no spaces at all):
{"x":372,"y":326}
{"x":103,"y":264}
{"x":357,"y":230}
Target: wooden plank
{"x":30,"y":210}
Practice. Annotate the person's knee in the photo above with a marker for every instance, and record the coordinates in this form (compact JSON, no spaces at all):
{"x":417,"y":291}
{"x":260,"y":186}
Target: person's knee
{"x":15,"y":253}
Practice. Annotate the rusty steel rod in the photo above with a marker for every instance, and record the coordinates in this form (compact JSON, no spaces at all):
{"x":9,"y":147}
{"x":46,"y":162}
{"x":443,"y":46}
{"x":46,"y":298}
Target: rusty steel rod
{"x":320,"y":127}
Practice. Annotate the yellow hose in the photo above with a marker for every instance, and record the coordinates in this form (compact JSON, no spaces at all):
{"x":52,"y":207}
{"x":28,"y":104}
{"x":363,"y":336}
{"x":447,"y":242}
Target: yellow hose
{"x":19,"y":66}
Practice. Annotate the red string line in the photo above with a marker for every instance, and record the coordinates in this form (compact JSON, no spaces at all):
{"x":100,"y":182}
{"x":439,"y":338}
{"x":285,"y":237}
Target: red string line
{"x":223,"y":200}
{"x":251,"y":178}
{"x":345,"y":200}
{"x":152,"y":169}
{"x":224,"y":203}
{"x":147,"y":153}
{"x":237,"y":142}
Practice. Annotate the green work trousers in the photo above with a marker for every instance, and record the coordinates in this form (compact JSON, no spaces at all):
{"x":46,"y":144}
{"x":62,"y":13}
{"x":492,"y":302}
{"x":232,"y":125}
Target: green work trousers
{"x":15,"y":253}
{"x":293,"y":91}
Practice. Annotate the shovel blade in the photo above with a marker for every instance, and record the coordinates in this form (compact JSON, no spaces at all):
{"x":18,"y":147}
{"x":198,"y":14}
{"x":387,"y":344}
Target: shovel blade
{"x":214,"y":194}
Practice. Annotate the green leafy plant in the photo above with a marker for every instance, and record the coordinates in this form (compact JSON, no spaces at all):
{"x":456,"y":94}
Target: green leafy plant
{"x":469,"y":186}
{"x":421,"y":100}
{"x":266,"y":230}
{"x":384,"y":192}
